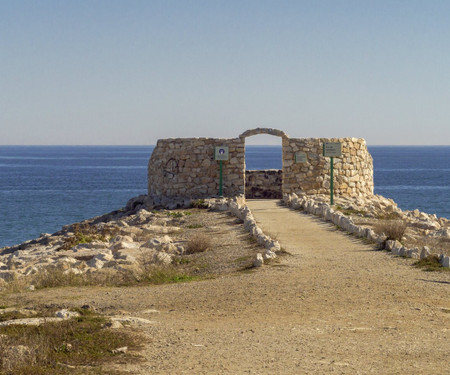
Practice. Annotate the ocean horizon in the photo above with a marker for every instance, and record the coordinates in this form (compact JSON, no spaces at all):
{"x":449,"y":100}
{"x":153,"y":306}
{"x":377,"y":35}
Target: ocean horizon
{"x":43,"y":188}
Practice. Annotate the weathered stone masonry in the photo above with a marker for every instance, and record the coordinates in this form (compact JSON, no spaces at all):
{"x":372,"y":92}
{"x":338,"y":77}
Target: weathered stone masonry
{"x":185,"y":167}
{"x":264,"y":184}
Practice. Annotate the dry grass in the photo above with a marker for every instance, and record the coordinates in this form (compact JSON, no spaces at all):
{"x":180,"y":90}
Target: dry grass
{"x":75,"y":346}
{"x":53,"y":277}
{"x":431,"y":263}
{"x":146,"y":273}
{"x":167,"y":275}
{"x":438,"y":245}
{"x":393,"y":229}
{"x":198,"y":243}
{"x":85,"y":233}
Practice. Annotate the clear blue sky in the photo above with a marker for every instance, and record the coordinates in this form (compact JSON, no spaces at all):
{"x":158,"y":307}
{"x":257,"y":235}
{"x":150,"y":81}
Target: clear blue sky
{"x":130,"y":72}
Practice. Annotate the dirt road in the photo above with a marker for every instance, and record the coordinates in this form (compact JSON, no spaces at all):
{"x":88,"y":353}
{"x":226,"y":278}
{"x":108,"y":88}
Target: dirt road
{"x":334,"y":306}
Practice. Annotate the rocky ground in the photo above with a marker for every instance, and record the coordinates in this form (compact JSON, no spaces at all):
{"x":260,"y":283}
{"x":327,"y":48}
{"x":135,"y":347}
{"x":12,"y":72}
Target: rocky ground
{"x":331,"y":304}
{"x":130,"y":241}
{"x":421,"y":229}
{"x":138,"y":236}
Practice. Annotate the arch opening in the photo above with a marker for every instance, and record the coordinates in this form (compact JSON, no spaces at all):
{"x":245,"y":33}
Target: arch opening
{"x":263,"y":166}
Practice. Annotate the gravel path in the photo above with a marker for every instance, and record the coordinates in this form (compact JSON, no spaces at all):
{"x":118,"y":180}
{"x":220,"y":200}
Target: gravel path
{"x":334,"y":306}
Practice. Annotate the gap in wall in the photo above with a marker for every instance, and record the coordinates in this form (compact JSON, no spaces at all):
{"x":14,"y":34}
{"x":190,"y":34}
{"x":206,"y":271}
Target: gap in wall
{"x":262,"y":152}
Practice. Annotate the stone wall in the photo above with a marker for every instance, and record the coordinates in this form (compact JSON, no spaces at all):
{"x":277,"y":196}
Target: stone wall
{"x":185,"y":167}
{"x":353,"y":172}
{"x":263,"y":184}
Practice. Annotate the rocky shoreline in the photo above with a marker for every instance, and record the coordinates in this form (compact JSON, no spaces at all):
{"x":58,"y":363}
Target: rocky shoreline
{"x":118,"y":241}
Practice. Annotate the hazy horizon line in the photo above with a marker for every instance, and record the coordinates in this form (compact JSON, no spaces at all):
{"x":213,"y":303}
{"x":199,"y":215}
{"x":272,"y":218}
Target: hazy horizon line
{"x":154,"y":145}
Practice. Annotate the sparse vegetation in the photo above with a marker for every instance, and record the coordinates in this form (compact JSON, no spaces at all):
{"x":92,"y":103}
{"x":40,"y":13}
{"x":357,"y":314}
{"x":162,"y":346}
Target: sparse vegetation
{"x":243,"y":259}
{"x":393,"y":229}
{"x":85,"y":233}
{"x":439,"y":244}
{"x":9,"y":315}
{"x":199,"y":203}
{"x":167,"y":275}
{"x":178,"y":214}
{"x":198,"y":244}
{"x":350,"y":211}
{"x":195,"y":226}
{"x":76,"y":346}
{"x":431,"y":263}
{"x":53,"y":278}
{"x":389,"y":216}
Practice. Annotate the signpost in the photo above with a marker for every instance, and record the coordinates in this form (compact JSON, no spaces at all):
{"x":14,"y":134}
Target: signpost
{"x":221,"y":154}
{"x":332,"y":150}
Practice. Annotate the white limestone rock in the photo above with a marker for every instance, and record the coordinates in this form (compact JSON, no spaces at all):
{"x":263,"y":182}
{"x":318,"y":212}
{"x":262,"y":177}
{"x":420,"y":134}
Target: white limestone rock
{"x":74,"y":271}
{"x":131,"y":231}
{"x":124,"y":258}
{"x":123,"y":238}
{"x":390,"y":244}
{"x":162,"y":258}
{"x":123,"y":245}
{"x":268,"y":254}
{"x":95,"y":263}
{"x":425,"y":252}
{"x":90,"y":245}
{"x":273,"y":245}
{"x":66,"y":314}
{"x":259,"y":261}
{"x":104,"y":256}
{"x":65,"y":263}
{"x":412,"y":253}
{"x":443,"y":233}
{"x":164,"y":243}
{"x":160,"y":229}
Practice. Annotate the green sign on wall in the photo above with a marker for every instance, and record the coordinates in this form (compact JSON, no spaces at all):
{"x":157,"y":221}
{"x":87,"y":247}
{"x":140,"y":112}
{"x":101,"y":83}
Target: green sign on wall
{"x":221,"y":153}
{"x":332,"y":149}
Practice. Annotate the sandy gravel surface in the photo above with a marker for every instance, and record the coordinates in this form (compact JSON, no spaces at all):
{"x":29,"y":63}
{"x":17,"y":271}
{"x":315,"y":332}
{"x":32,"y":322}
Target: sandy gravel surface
{"x":334,"y":306}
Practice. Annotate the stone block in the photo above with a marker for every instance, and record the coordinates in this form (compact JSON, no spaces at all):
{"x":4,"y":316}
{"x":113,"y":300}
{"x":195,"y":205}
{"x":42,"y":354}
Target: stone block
{"x":259,"y":260}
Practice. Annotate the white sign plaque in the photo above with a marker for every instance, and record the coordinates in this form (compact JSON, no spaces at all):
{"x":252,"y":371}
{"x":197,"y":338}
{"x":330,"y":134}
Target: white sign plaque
{"x":332,"y":149}
{"x":301,"y":157}
{"x":221,"y":153}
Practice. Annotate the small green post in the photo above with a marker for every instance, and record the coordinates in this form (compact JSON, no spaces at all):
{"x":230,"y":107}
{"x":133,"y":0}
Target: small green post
{"x":220,"y":180}
{"x":331,"y":181}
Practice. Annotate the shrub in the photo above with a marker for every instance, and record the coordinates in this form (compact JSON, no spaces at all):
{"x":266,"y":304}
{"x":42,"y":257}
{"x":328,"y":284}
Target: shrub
{"x":85,"y":233}
{"x":198,"y":244}
{"x":430,"y":263}
{"x":199,"y":203}
{"x":393,"y":229}
{"x":195,"y":226}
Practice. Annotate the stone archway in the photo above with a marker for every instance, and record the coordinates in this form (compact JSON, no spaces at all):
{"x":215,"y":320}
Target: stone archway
{"x":269,"y":131}
{"x":263,"y":183}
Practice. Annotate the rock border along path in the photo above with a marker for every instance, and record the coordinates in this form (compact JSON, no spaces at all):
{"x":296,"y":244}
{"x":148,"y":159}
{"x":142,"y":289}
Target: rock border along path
{"x":374,"y":305}
{"x":333,"y":306}
{"x":326,"y":212}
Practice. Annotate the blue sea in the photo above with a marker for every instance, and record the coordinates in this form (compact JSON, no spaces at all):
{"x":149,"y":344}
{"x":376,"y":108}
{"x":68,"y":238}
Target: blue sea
{"x":45,"y":187}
